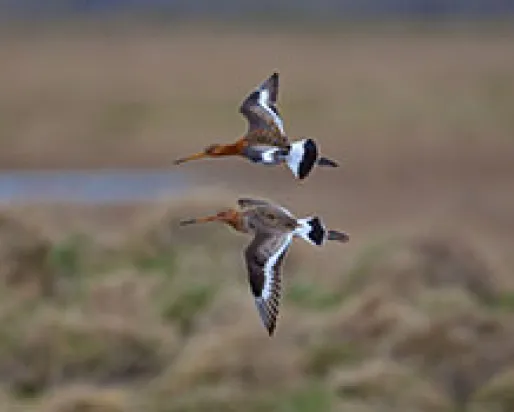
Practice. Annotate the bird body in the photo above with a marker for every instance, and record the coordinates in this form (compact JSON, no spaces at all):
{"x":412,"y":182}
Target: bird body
{"x":265,"y":141}
{"x":273,"y":228}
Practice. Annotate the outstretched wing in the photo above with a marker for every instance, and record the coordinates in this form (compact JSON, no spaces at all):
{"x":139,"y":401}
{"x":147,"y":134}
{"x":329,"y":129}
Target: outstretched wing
{"x":260,"y":109}
{"x":264,"y":257}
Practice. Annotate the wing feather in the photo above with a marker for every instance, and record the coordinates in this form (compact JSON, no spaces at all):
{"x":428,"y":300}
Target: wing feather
{"x":260,"y":109}
{"x":246,"y":202}
{"x":264,"y":257}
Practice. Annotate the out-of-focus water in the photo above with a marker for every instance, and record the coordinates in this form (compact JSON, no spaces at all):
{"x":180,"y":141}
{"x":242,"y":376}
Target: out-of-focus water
{"x":105,"y":186}
{"x":230,"y":8}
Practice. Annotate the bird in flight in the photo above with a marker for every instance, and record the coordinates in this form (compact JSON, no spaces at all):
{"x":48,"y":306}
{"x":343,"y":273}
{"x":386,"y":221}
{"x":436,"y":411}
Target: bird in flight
{"x":273,"y":228}
{"x":265,"y":141}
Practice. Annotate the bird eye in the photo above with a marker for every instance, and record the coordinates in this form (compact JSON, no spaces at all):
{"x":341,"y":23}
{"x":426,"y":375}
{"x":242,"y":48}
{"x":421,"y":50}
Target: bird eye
{"x":270,"y":216}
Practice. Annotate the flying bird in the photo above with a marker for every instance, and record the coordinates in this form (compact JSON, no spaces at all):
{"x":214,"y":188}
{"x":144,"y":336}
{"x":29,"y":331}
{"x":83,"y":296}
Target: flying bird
{"x":273,"y":228}
{"x":265,"y":141}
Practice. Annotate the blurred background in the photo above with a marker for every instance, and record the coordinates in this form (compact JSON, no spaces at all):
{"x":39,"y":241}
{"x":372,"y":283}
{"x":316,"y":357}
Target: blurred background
{"x":106,"y":305}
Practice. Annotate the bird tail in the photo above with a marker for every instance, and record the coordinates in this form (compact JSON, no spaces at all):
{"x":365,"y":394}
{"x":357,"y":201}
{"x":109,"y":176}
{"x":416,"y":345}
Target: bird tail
{"x":302,"y":157}
{"x":323,"y":161}
{"x":342,"y":237}
{"x":314,"y":231}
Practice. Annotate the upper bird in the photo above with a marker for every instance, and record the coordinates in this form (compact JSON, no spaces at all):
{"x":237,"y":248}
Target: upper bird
{"x":273,"y":228}
{"x":265,"y":141}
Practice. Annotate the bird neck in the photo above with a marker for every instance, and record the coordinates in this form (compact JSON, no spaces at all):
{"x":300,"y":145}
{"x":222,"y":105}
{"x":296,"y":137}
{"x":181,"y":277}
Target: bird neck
{"x":237,"y":223}
{"x":231,"y":149}
{"x":245,"y":223}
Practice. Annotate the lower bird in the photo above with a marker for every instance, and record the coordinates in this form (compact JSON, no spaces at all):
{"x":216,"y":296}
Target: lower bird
{"x":273,"y":228}
{"x":265,"y":141}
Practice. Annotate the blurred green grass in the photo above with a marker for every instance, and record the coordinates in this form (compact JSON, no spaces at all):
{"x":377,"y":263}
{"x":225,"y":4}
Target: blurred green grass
{"x":120,"y":335}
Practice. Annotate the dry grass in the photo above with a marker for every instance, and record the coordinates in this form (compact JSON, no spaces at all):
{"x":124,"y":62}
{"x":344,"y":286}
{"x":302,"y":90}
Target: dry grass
{"x":415,"y":313}
{"x":408,"y":328}
{"x":82,"y":398}
{"x":24,"y":253}
{"x":435,"y":261}
{"x":383,"y":382}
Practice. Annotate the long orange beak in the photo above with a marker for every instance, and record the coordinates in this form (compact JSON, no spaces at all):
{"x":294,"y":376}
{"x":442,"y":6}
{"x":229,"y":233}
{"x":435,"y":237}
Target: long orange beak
{"x":199,"y":220}
{"x":196,"y":156}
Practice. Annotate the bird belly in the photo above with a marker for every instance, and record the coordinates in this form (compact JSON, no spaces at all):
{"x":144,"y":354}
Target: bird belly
{"x":267,"y":155}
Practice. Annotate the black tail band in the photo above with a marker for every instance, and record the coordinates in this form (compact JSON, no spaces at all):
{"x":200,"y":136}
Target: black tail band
{"x":317,"y":232}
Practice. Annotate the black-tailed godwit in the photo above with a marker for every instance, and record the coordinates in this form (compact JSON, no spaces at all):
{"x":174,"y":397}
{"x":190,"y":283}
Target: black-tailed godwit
{"x":265,"y":141}
{"x":273,"y":228}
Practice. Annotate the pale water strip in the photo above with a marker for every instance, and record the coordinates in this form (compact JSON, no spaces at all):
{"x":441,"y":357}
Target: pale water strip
{"x":90,"y":186}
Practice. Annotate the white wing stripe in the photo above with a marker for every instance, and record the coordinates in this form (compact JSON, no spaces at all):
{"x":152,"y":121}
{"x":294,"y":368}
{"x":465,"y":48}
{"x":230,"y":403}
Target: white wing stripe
{"x":263,"y":101}
{"x":287,"y":212}
{"x":270,"y":264}
{"x":268,"y":155}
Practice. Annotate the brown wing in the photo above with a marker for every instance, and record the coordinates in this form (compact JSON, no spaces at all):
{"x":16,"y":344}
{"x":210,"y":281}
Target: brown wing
{"x":263,"y":205}
{"x":260,"y":109}
{"x":264,"y":257}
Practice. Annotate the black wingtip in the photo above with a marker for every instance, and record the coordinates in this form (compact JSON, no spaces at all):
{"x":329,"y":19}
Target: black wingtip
{"x":274,"y":81}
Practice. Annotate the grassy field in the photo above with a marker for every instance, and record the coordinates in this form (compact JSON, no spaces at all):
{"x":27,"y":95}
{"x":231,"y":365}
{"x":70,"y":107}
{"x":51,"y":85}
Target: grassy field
{"x":116,"y":309}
